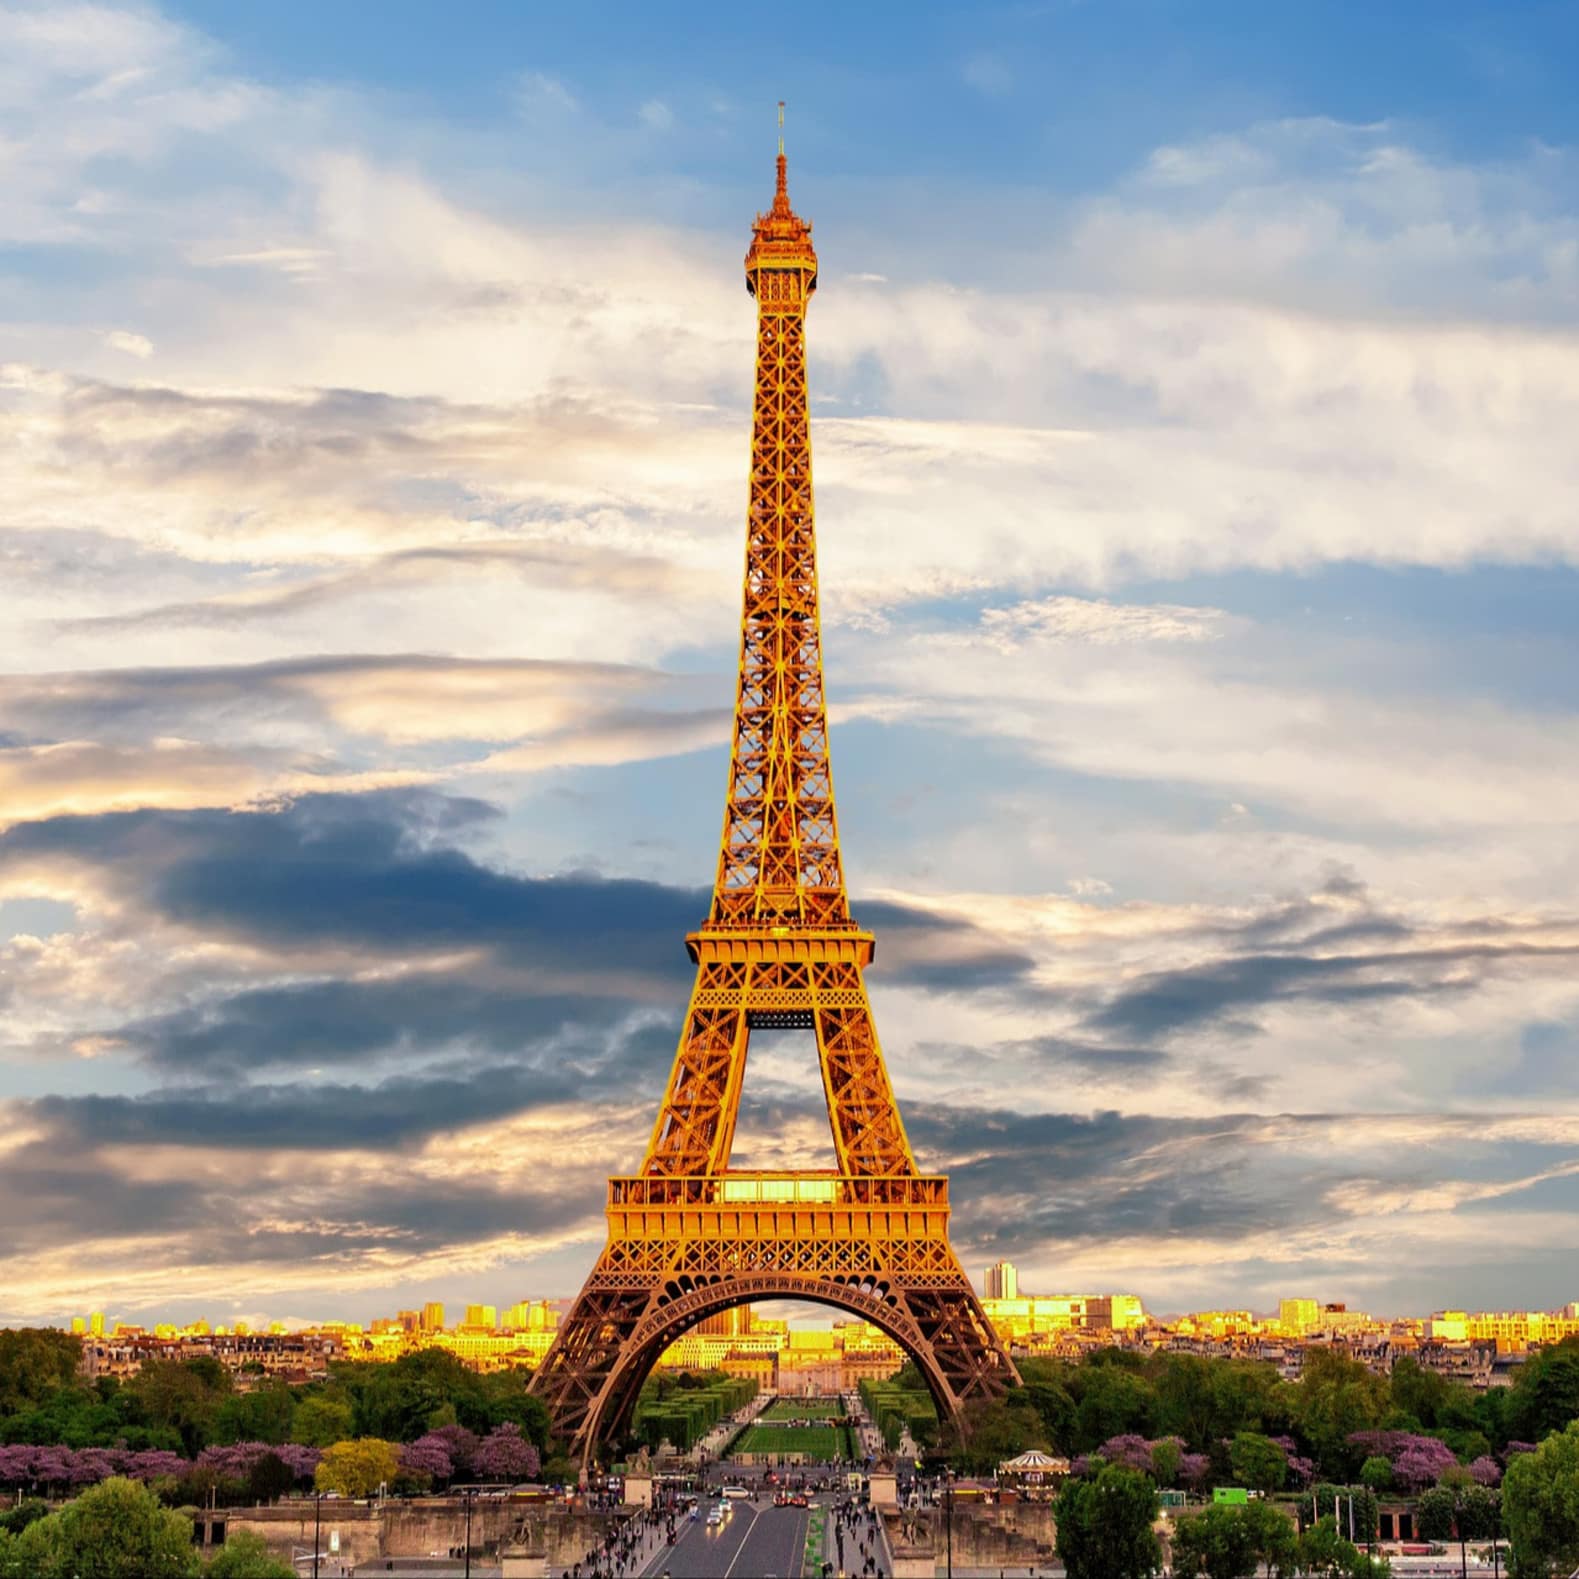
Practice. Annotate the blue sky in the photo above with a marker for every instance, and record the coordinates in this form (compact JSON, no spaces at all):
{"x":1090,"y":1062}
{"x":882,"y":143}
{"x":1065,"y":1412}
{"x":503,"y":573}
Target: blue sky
{"x":1194,"y":391}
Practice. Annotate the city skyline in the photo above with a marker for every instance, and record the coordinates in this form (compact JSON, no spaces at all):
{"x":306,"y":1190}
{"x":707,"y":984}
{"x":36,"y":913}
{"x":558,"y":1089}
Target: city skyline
{"x":1199,"y":577}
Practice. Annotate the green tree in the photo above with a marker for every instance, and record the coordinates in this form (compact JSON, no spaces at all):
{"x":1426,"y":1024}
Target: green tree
{"x":1546,"y":1391}
{"x":1376,"y":1473}
{"x":263,"y":1415}
{"x":321,"y":1420}
{"x":1277,"y":1540}
{"x":358,"y":1468}
{"x":183,"y":1395}
{"x":269,"y":1478}
{"x":35,"y":1362}
{"x":1337,"y":1397}
{"x":995,"y":1430}
{"x":1434,"y":1514}
{"x":1218,"y":1543}
{"x":1358,"y":1514}
{"x":1105,"y":1526}
{"x":246,"y":1555}
{"x":509,"y":1403}
{"x":1258,"y":1462}
{"x":1113,"y":1402}
{"x":115,"y":1530}
{"x":1329,"y":1555}
{"x":1540,"y":1506}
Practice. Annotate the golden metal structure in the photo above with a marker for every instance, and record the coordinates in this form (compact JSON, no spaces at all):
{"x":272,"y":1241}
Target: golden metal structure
{"x":688,"y":1236}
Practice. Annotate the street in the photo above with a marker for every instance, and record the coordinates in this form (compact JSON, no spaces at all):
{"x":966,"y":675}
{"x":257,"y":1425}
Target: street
{"x":754,"y":1543}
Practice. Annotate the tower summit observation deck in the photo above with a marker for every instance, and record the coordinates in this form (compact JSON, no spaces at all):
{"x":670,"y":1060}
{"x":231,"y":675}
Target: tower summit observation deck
{"x":688,"y":1235}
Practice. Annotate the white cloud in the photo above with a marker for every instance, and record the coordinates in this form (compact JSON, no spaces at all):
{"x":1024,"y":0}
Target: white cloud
{"x":132,"y":344}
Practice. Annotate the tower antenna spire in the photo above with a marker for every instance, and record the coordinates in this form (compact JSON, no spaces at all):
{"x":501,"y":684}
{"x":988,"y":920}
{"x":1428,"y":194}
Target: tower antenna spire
{"x":781,"y":128}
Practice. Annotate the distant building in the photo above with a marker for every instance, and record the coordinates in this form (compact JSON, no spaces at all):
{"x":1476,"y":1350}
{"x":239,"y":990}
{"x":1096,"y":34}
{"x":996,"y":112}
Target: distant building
{"x":433,"y":1316}
{"x":485,"y":1316}
{"x":1001,"y":1281}
{"x":1297,"y":1316}
{"x":96,"y":1324}
{"x":732,"y":1323}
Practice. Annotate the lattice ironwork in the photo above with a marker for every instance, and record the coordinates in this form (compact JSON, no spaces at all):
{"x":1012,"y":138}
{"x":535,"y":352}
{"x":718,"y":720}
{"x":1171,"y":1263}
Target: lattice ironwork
{"x":687,"y":1236}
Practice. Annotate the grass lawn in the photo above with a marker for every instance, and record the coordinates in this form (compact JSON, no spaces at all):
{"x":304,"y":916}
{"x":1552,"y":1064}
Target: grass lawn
{"x":804,"y":1409}
{"x":815,"y":1441}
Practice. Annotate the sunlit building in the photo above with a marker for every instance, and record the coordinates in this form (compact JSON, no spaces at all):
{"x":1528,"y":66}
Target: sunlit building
{"x":1001,"y":1281}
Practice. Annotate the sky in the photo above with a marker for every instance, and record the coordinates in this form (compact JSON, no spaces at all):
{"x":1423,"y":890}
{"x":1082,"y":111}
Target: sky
{"x":1194,"y":391}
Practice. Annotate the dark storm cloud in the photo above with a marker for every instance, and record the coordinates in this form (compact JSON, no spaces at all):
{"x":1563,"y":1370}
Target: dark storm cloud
{"x":940,"y":953}
{"x":344,"y":1021}
{"x":236,"y":1218}
{"x":373,"y":872}
{"x":381,"y":872}
{"x":1227,"y":991}
{"x":1021,"y":1181}
{"x":310,"y":1115}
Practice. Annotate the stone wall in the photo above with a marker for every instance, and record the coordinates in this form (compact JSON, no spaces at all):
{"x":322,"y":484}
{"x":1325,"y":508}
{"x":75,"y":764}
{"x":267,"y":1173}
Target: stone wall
{"x":1012,"y":1535}
{"x":423,"y":1527}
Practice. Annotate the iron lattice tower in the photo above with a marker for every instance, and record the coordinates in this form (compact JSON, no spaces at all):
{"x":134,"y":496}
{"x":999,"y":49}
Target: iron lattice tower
{"x":688,"y":1236}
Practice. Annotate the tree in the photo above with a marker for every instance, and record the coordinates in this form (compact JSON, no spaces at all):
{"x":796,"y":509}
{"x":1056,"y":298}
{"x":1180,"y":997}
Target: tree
{"x":1258,"y":1462}
{"x":1338,"y":1398}
{"x":1326,"y":1553}
{"x":1104,"y":1526}
{"x":35,"y":1362}
{"x":184,"y":1395}
{"x":1376,"y":1473}
{"x":1546,"y":1391}
{"x":321,"y":1420}
{"x":1113,"y":1402}
{"x":996,"y":1430}
{"x":269,"y":1478}
{"x":1218,"y":1543}
{"x":115,"y":1530}
{"x":246,"y":1555}
{"x":1434,"y":1514}
{"x":358,"y":1468}
{"x":1540,"y":1505}
{"x":263,"y":1415}
{"x":506,"y":1455}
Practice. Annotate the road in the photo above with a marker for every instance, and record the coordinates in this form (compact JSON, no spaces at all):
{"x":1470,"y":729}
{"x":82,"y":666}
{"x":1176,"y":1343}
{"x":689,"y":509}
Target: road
{"x":754,"y":1542}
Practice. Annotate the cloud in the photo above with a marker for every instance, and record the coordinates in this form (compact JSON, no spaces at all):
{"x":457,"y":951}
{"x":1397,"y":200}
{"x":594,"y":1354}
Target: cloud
{"x":132,"y":344}
{"x":1096,"y":620}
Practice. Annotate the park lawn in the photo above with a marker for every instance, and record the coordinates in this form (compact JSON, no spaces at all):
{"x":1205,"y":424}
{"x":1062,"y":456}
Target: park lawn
{"x":815,"y":1441}
{"x":804,"y":1409}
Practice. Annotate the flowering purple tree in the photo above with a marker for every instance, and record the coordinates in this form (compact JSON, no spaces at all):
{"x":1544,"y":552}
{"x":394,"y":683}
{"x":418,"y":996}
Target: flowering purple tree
{"x":506,"y":1455}
{"x":302,"y":1460}
{"x":1133,"y":1452}
{"x":1423,"y":1463}
{"x":1486,"y":1471}
{"x":1513,"y":1449}
{"x":428,"y":1455}
{"x":1195,"y":1469}
{"x":463,"y":1445}
{"x":154,"y":1463}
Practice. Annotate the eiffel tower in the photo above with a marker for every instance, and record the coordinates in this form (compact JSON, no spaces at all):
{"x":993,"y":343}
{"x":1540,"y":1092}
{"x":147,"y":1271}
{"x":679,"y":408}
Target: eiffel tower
{"x":688,"y":1235}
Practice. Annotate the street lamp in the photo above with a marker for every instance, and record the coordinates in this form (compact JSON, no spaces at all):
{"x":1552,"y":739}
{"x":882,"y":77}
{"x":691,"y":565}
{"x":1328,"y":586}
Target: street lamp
{"x":948,"y":1516}
{"x":468,"y":1496}
{"x":317,"y":1521}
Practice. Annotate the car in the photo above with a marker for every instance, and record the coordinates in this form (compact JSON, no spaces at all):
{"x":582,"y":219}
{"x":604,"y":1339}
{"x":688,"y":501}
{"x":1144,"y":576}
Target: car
{"x":715,"y":1518}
